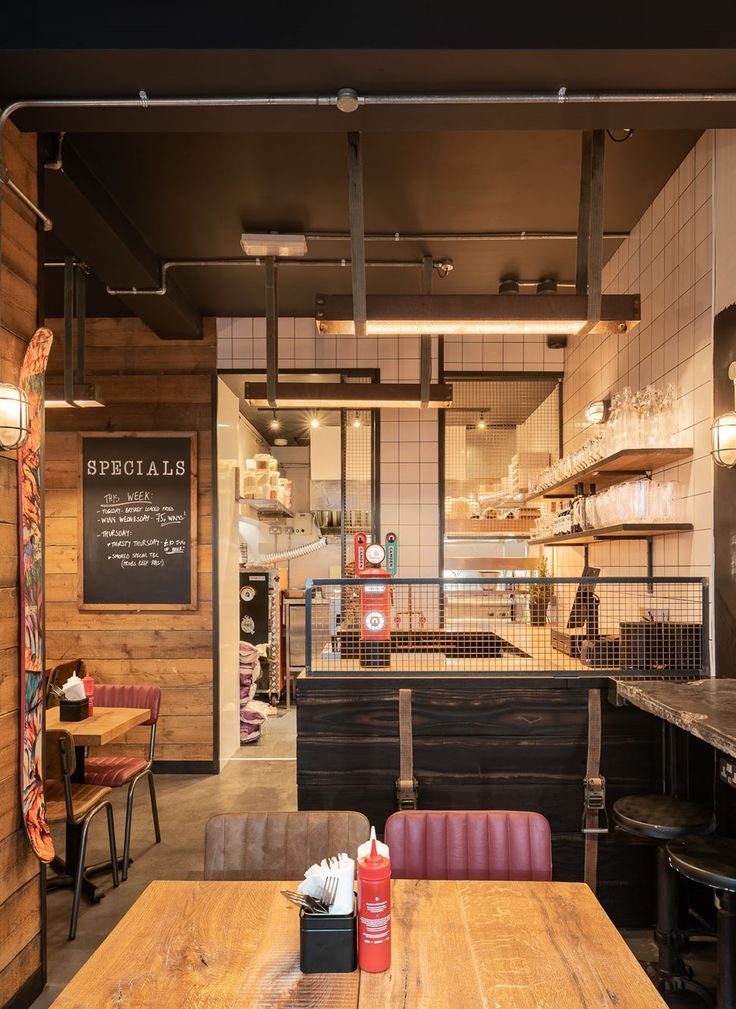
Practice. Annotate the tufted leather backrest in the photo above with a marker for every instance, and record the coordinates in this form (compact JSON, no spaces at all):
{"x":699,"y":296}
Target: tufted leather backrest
{"x":278,"y":845}
{"x":469,"y":844}
{"x":130,"y":695}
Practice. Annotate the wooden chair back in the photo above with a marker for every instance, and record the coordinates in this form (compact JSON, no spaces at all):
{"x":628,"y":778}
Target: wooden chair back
{"x":278,"y":845}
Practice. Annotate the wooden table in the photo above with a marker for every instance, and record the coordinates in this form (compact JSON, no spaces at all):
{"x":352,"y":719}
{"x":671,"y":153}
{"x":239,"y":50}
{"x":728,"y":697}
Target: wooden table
{"x":473,"y":945}
{"x":105,"y":725}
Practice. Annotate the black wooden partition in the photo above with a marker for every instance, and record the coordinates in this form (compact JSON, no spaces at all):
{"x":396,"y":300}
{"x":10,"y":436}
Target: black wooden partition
{"x":485,"y":744}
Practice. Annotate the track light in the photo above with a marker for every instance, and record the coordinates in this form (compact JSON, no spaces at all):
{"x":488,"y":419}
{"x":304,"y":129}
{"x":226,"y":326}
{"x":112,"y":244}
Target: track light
{"x":275,"y":422}
{"x":508,"y":285}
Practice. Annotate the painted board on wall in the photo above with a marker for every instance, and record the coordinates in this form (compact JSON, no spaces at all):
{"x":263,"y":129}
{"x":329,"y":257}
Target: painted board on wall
{"x":137,"y":521}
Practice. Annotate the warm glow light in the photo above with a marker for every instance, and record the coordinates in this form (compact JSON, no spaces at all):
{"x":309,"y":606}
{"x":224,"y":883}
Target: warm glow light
{"x":481,"y":425}
{"x":314,"y":422}
{"x":357,"y":422}
{"x":542,"y":314}
{"x":14,"y":419}
{"x":336,"y":396}
{"x":723,"y":440}
{"x":84,"y":397}
{"x":275,"y":423}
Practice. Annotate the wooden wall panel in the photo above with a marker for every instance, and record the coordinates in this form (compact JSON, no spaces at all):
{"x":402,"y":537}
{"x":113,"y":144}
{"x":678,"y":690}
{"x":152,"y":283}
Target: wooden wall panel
{"x":20,"y":909}
{"x":147,"y":384}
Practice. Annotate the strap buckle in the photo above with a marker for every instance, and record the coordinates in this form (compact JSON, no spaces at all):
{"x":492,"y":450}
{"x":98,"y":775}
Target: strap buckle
{"x":407,"y":793}
{"x":594,"y":802}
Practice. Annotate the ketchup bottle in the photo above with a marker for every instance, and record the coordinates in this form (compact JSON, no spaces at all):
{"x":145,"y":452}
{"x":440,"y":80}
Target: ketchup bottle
{"x":89,"y":689}
{"x":374,"y":912}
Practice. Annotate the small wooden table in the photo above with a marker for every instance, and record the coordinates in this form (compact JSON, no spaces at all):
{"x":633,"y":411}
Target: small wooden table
{"x":474,"y":945}
{"x":105,"y":725}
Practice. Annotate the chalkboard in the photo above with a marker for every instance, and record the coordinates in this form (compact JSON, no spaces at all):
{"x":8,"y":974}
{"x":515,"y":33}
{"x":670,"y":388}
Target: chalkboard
{"x":138,"y":525}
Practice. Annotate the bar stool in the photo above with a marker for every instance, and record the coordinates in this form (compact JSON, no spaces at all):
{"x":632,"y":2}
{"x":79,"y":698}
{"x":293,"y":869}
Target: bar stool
{"x":712,"y":861}
{"x":662,"y":818}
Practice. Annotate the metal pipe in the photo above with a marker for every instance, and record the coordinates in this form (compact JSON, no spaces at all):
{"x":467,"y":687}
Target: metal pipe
{"x":457,"y":236}
{"x":28,"y":202}
{"x":172,"y":264}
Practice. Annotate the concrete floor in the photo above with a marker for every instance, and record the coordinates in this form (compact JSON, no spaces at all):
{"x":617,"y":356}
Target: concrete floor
{"x":258,"y":776}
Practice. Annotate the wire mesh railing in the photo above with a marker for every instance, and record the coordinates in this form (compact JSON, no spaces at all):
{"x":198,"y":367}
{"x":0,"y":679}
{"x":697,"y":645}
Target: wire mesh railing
{"x":500,"y":627}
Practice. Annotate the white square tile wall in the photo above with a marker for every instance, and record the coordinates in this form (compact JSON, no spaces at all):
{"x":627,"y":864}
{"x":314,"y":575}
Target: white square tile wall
{"x":668,"y":259}
{"x":409,"y":438}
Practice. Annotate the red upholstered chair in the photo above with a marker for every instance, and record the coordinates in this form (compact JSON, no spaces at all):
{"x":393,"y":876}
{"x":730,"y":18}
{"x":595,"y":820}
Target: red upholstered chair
{"x":469,"y":844}
{"x":117,"y":771}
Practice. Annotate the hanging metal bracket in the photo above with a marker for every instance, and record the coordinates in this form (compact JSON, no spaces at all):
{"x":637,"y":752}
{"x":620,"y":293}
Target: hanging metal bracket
{"x":589,"y":265}
{"x":357,"y":232}
{"x":425,"y":342}
{"x":272,"y":330}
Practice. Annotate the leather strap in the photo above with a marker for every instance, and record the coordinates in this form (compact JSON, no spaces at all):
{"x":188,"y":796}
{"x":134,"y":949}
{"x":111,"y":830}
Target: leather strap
{"x":594,"y":786}
{"x":407,"y":789}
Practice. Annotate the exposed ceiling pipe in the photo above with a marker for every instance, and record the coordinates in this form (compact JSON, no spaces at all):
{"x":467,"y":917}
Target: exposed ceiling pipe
{"x":347,"y":100}
{"x":457,"y":236}
{"x":442,"y":266}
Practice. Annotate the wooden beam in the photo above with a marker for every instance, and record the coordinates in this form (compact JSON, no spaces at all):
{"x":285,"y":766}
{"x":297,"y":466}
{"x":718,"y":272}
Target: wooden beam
{"x":95,"y":229}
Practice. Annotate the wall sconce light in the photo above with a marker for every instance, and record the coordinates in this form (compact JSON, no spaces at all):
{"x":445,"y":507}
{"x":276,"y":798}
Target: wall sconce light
{"x":597,"y":412}
{"x":14,"y":416}
{"x":723,"y":432}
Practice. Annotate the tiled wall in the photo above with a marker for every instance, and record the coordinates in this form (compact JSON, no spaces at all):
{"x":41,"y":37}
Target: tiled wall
{"x":409,"y":438}
{"x":668,"y":259}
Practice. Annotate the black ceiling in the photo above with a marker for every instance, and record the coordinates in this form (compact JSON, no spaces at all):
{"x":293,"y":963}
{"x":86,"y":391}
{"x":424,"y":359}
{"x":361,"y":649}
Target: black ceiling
{"x":184,"y":183}
{"x":190,"y":196}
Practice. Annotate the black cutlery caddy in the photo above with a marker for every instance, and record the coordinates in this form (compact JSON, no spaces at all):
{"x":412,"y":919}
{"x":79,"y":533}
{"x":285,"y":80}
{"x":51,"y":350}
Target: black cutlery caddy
{"x":328,"y":943}
{"x":73,"y":711}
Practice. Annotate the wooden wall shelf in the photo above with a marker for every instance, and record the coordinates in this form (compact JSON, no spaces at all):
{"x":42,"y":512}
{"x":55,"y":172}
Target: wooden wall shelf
{"x":622,"y":531}
{"x":616,"y":468}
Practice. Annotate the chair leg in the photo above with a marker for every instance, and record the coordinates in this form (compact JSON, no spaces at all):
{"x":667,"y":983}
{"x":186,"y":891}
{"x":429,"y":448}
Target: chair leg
{"x":128,"y":826}
{"x":78,"y":876}
{"x":113,"y":846}
{"x":154,"y":807}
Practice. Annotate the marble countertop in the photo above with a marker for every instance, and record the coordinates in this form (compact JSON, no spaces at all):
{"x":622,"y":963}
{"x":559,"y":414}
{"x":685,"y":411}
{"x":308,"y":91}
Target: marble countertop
{"x":704,"y":708}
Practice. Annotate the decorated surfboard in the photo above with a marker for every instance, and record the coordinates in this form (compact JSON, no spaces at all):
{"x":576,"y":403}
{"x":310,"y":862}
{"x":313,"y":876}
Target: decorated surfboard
{"x":31,"y":599}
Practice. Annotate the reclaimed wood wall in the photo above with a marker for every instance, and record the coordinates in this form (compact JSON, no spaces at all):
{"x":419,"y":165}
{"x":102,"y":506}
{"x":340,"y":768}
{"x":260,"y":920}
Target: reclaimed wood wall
{"x":147,"y":384}
{"x":20,"y":904}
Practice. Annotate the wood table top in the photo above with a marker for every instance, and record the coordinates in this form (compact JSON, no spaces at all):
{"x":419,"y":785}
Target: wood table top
{"x":105,"y":725}
{"x":476,"y":945}
{"x":704,"y":708}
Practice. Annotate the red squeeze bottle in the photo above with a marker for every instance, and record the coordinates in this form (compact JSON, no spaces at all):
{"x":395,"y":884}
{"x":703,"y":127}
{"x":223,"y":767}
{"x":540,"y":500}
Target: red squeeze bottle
{"x":89,"y":689}
{"x":374,"y":912}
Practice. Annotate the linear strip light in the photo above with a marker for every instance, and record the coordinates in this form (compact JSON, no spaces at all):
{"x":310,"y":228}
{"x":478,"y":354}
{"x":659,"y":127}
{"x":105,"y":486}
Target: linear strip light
{"x":334,"y":396}
{"x":448,"y":314}
{"x":84,"y":395}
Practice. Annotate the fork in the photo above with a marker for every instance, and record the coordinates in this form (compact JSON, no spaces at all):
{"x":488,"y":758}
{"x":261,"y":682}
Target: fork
{"x":329,"y":890}
{"x":312,"y":904}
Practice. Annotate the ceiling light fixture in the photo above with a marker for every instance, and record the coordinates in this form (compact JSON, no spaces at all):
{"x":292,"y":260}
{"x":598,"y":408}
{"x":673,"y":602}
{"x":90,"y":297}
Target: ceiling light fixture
{"x":273,"y":244}
{"x":450,"y":314}
{"x":275,"y":422}
{"x":84,"y":395}
{"x":508,"y":285}
{"x":723,"y":431}
{"x":597,"y":412}
{"x":481,"y":425}
{"x":357,"y":422}
{"x":334,"y":396}
{"x":314,"y":423}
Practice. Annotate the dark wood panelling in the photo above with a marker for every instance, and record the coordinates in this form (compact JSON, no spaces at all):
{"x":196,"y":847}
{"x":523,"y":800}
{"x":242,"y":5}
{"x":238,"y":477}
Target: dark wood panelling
{"x":483,"y":745}
{"x":147,"y":385}
{"x":20,"y":908}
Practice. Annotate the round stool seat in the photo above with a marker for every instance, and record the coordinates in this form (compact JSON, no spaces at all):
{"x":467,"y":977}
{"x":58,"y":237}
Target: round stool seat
{"x":708,"y":860}
{"x":662,"y":817}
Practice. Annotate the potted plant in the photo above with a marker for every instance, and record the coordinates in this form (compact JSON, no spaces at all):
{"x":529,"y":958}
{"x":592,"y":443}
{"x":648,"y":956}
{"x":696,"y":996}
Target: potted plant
{"x":540,"y":595}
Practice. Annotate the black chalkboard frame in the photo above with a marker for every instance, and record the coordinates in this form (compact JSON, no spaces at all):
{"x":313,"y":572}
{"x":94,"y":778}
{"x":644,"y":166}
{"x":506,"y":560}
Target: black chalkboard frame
{"x":138,"y":606}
